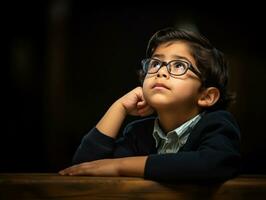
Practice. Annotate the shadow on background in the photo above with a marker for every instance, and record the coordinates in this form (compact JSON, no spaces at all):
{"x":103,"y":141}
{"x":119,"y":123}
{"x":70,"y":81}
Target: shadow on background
{"x":67,"y":63}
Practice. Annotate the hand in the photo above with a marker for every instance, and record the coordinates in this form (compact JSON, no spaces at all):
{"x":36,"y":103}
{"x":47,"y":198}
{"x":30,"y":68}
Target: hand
{"x":135,"y":104}
{"x":132,"y":103}
{"x":105,"y":167}
{"x":127,"y":166}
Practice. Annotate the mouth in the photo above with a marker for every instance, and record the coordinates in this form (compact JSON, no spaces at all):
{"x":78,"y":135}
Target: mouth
{"x":160,"y":86}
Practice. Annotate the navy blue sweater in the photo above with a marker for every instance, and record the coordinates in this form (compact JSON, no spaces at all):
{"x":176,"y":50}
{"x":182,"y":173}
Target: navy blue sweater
{"x":210,"y":153}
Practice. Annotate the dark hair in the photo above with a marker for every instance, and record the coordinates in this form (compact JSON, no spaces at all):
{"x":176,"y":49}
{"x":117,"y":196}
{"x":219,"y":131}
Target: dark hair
{"x":210,"y":61}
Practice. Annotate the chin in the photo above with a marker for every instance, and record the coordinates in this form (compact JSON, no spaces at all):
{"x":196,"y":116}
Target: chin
{"x":159,"y":104}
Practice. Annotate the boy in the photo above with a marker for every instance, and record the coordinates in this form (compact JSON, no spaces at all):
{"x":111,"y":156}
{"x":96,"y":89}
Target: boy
{"x":192,"y":137}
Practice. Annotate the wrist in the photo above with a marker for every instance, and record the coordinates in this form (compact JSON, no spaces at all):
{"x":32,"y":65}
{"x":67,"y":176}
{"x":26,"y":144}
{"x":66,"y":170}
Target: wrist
{"x":120,"y":107}
{"x":131,"y":166}
{"x":112,"y":120}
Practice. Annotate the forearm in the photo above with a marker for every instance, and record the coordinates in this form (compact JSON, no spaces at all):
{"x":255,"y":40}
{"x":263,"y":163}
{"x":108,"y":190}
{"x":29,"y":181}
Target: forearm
{"x":193,"y":165}
{"x":112,"y":120}
{"x":132,"y":166}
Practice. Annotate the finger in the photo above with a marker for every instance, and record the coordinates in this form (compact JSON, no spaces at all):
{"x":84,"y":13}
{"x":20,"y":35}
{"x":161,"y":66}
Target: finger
{"x":73,"y":168}
{"x":66,"y":171}
{"x":84,"y":169}
{"x":145,"y":111}
{"x":75,"y":171}
{"x":79,"y":171}
{"x":141,"y":104}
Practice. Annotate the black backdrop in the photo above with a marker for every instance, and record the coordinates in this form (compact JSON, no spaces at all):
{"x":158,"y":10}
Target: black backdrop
{"x":67,"y":62}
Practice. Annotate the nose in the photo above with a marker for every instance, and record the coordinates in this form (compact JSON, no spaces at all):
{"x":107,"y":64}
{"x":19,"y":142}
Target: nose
{"x":163,"y":72}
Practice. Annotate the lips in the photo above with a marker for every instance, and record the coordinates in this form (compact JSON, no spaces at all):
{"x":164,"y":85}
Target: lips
{"x":159,"y":86}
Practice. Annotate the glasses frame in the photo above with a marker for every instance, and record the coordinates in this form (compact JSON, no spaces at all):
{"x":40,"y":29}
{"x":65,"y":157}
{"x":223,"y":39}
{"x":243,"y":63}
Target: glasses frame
{"x":167,"y":64}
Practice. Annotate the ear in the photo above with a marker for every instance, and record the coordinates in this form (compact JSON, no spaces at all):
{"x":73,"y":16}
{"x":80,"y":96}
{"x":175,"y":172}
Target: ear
{"x":209,"y":97}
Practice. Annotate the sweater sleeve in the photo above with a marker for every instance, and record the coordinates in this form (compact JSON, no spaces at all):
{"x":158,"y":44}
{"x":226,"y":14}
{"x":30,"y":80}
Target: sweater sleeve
{"x":215,"y":157}
{"x":94,"y":146}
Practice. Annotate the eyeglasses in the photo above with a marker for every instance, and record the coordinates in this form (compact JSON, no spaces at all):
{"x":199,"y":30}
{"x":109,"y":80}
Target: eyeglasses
{"x":174,"y":67}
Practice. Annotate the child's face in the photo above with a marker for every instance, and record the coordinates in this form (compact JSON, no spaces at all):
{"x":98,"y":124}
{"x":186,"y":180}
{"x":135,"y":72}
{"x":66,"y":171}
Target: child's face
{"x":162,"y":91}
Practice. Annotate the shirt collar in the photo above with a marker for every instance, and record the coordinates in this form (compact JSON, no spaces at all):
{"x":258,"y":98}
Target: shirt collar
{"x":180,"y":131}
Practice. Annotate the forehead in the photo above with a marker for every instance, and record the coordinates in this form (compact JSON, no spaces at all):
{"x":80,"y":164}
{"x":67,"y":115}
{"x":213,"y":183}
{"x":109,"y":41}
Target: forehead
{"x":174,"y":49}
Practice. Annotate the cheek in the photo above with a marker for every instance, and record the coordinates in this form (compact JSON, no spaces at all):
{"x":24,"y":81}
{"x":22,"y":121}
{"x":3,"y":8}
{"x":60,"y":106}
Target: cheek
{"x":145,"y":83}
{"x":186,"y":87}
{"x":187,"y":93}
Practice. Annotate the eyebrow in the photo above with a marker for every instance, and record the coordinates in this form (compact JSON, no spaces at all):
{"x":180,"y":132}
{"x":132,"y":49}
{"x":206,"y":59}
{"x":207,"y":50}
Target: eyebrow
{"x":161,"y":56}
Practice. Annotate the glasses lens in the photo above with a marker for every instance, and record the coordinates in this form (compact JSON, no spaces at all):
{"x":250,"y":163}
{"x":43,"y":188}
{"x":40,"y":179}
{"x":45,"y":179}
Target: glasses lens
{"x":178,"y":67}
{"x":151,"y":65}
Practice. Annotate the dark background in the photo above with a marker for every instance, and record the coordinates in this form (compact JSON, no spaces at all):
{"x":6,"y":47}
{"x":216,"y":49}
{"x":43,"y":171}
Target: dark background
{"x":67,"y":62}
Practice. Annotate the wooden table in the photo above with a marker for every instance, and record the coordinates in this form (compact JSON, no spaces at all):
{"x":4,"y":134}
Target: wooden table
{"x":53,"y":186}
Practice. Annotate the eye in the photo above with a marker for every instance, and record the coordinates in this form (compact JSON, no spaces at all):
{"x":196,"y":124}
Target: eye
{"x":178,"y":65}
{"x":154,"y":64}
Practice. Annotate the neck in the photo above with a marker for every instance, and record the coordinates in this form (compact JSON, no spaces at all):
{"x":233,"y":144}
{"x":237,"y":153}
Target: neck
{"x":170,"y":120}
